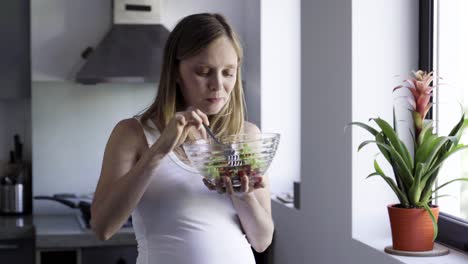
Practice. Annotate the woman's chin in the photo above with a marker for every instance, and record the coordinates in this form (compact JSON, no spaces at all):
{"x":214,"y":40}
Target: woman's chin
{"x":212,"y":110}
{"x":210,"y":113}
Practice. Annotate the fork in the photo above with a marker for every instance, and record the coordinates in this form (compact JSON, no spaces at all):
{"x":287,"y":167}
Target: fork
{"x":229,"y":153}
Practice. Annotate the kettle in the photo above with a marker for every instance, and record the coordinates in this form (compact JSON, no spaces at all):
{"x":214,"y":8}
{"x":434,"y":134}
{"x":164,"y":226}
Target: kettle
{"x":12,"y":201}
{"x":12,"y":194}
{"x":15,"y":182}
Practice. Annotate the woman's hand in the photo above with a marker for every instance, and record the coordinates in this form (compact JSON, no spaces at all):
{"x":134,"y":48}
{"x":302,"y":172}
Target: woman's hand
{"x":179,"y":126}
{"x":224,"y":185}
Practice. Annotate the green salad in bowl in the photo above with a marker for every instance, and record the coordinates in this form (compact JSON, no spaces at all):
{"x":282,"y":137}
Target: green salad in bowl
{"x":238,"y":155}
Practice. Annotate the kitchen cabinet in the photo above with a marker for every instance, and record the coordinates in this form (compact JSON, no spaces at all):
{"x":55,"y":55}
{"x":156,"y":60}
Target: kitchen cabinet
{"x":15,"y":66}
{"x":16,"y":244}
{"x":62,"y":239}
{"x":89,"y":255}
{"x":20,"y":251}
{"x":109,"y":255}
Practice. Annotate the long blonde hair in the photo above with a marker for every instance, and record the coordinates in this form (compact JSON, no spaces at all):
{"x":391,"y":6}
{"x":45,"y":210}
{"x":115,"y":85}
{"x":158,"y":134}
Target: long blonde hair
{"x":190,"y":36}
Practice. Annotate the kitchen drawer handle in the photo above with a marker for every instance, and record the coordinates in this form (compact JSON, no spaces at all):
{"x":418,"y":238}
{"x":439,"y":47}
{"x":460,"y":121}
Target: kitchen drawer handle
{"x":8,"y":246}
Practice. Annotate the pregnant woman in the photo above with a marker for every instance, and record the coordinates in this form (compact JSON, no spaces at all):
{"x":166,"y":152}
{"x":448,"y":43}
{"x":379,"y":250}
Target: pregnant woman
{"x":179,"y":218}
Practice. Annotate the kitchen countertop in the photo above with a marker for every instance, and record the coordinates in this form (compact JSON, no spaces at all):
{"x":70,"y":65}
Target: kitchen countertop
{"x":16,"y":227}
{"x":59,"y":231}
{"x":64,"y":231}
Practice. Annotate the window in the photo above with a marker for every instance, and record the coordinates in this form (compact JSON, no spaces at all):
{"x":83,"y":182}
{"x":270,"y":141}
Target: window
{"x":443,"y":42}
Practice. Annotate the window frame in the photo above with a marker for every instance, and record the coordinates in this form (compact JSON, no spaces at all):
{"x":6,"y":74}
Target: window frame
{"x":453,"y":231}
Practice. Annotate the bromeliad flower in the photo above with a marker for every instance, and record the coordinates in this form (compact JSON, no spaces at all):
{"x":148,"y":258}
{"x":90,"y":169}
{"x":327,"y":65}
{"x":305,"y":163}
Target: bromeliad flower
{"x":421,"y":89}
{"x":415,"y":175}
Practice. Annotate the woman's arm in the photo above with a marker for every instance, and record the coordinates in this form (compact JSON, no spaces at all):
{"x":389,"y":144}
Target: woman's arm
{"x":128,"y":165}
{"x":125,"y":175}
{"x":254,"y":209}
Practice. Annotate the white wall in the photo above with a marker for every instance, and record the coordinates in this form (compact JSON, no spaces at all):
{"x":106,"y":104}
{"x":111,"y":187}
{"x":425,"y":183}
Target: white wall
{"x":383,"y":57}
{"x":281,"y":84}
{"x":71,"y":124}
{"x":337,"y":73}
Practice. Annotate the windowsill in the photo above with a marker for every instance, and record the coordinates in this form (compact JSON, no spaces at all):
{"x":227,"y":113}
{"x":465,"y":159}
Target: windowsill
{"x":379,"y":243}
{"x":277,"y":201}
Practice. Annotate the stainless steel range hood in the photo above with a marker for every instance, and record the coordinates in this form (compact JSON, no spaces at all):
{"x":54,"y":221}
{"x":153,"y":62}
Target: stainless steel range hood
{"x":133,"y":48}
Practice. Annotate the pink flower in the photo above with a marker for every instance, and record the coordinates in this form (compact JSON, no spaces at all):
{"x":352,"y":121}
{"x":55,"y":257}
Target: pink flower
{"x":421,"y":89}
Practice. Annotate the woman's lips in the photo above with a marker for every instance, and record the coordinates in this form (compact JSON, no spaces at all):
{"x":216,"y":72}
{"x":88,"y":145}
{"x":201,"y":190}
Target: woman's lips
{"x":214,"y":100}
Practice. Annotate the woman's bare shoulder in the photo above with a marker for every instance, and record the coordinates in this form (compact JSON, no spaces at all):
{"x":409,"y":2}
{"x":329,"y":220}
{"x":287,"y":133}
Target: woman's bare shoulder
{"x":250,"y":128}
{"x":129,"y":133}
{"x":127,"y":127}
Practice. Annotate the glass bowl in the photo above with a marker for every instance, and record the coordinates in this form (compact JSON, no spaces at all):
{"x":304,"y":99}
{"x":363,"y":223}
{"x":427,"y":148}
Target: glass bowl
{"x":238,"y":155}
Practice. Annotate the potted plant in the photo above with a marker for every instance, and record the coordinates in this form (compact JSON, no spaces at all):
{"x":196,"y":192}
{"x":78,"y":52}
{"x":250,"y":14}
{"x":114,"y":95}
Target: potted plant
{"x":414,"y":220}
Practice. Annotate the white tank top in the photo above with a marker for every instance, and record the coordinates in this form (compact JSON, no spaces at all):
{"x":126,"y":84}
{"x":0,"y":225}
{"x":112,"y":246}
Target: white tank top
{"x":179,"y":221}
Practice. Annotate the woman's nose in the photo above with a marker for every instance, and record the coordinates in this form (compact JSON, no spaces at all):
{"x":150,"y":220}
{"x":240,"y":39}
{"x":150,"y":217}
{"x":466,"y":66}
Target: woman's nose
{"x":216,"y":83}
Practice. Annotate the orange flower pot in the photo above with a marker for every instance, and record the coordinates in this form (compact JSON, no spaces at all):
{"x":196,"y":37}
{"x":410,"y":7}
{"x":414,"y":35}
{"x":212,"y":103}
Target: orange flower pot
{"x":412,"y":229}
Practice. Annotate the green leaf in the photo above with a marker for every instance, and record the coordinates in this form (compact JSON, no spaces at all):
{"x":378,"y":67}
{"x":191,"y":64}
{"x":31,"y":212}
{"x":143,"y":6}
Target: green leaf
{"x":430,"y":176}
{"x":425,"y":132}
{"x":434,"y":147}
{"x":458,"y":126}
{"x":395,"y":141}
{"x":457,"y":131}
{"x":428,"y":183}
{"x":366,"y":127}
{"x":423,"y":151}
{"x":441,"y":161}
{"x":381,"y":139}
{"x":414,"y":192}
{"x":403,"y":170}
{"x":447,"y":183}
{"x":398,"y":179}
{"x":400,"y":195}
{"x":434,"y":222}
{"x":408,"y":156}
{"x":436,"y":197}
{"x":465,"y":123}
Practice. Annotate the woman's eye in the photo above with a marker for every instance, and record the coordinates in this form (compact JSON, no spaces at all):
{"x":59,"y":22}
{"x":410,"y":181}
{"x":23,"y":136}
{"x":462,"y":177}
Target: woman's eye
{"x":229,"y":73}
{"x":203,"y":72}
